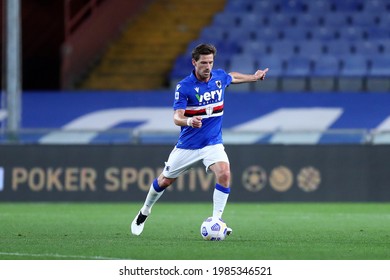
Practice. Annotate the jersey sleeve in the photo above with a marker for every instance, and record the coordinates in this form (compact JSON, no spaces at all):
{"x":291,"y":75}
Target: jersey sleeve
{"x":229,"y":79}
{"x":180,"y":101}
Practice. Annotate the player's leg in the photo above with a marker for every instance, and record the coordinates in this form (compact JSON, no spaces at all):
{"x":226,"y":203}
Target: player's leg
{"x":179,"y":161}
{"x":155,"y":192}
{"x":222,"y":189}
{"x":217,"y":161}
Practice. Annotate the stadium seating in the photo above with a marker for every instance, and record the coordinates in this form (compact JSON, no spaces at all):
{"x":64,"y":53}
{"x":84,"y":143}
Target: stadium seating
{"x":335,"y":19}
{"x":267,"y":34}
{"x":325,"y":72}
{"x":324,"y":33}
{"x":307,"y":20}
{"x":319,"y":7}
{"x":311,"y":48}
{"x":274,"y":76}
{"x":242,"y":63}
{"x":354,"y":68}
{"x":296,"y":34}
{"x":298,"y":68}
{"x":284,"y":49}
{"x":329,"y":44}
{"x":379,"y":73}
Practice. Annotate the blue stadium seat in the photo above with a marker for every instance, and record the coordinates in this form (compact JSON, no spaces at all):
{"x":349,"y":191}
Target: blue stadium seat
{"x":365,"y":48}
{"x":267,"y":34}
{"x":298,"y":66}
{"x":297,"y":34}
{"x":375,"y":6}
{"x":379,"y":65}
{"x":238,"y":5}
{"x":379,"y":73}
{"x":181,"y":68}
{"x":384,"y":20}
{"x":222,"y":60}
{"x":244,"y":63}
{"x":293,"y":6}
{"x":274,"y":62}
{"x":383,"y":45}
{"x":354,"y":69}
{"x":276,"y":71}
{"x":338,"y":47}
{"x":325,"y":71}
{"x":319,"y":7}
{"x":227,"y":19}
{"x":284,"y":49}
{"x":327,"y":65}
{"x":335,"y":19}
{"x":323,"y":33}
{"x":296,"y":74}
{"x":239,"y":35}
{"x":378,"y":33}
{"x":228,"y":47}
{"x":311,"y":48}
{"x":256,"y":48}
{"x":351,"y":33}
{"x":348,"y":5}
{"x":252,"y":20}
{"x":280,"y":20}
{"x":213,"y":33}
{"x":265,"y":7}
{"x":364,"y":19}
{"x":354,"y":66}
{"x":307,"y":20}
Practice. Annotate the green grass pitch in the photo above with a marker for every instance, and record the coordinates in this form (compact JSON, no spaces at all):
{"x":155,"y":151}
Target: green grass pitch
{"x":261,"y":231}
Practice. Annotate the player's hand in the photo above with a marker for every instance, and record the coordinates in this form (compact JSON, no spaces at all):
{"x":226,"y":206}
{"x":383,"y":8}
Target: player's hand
{"x":260,"y":74}
{"x":197,"y":122}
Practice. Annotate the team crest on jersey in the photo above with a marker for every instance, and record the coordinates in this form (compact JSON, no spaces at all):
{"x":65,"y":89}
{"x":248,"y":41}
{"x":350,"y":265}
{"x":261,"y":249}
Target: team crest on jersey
{"x":218,"y":83}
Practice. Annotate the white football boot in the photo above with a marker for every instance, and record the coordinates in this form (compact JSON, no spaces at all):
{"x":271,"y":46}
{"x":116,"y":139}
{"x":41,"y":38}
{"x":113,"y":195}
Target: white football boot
{"x":137,"y":226}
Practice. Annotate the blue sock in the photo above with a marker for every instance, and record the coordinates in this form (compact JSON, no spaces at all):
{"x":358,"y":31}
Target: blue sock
{"x":156,"y":187}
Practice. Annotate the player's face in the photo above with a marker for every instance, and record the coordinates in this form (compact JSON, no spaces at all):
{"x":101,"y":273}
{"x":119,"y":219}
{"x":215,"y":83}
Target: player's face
{"x":203,"y":66}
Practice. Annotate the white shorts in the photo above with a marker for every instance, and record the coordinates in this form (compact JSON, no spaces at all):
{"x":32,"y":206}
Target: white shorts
{"x":180,"y":160}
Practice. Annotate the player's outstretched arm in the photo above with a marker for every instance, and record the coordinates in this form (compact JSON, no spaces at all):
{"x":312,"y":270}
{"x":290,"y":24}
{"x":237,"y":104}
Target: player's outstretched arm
{"x":246,"y":78}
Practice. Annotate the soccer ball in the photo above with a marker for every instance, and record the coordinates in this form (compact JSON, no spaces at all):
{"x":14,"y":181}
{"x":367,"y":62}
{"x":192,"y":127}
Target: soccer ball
{"x":213,"y":229}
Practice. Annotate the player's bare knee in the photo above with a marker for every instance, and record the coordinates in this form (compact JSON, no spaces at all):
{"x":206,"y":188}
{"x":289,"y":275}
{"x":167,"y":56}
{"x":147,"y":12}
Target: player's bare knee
{"x":223,"y":177}
{"x":164,"y":182}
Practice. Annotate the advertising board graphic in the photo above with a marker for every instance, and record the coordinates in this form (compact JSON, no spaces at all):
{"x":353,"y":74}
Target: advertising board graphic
{"x":259,"y":173}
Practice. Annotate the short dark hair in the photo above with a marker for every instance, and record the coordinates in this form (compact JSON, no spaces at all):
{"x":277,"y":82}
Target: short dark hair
{"x":203,"y":49}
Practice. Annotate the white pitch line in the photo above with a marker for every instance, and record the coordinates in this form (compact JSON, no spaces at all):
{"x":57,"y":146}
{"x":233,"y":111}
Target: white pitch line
{"x":57,"y":256}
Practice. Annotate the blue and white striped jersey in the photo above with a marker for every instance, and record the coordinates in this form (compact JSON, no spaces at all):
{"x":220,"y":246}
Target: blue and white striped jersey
{"x":204,"y":99}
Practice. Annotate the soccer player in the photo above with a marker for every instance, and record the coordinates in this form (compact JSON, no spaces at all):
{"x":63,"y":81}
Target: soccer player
{"x":198,"y":110}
